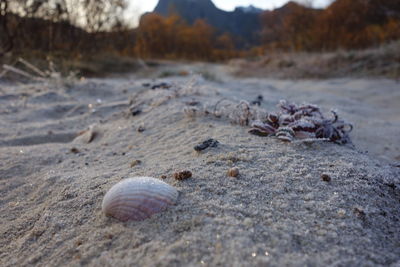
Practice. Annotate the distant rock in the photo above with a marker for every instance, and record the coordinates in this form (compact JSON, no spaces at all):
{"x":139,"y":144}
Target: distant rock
{"x":249,"y":9}
{"x":243,"y":23}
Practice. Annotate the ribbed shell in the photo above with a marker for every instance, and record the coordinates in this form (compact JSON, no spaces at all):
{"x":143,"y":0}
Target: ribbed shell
{"x":138,"y":198}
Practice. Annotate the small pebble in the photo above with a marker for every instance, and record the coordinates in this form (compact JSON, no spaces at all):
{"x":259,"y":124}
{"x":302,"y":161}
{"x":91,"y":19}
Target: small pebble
{"x":141,"y":129}
{"x":163,"y":177}
{"x":258,"y":100}
{"x":74,"y":150}
{"x":341,"y":213}
{"x":207,"y":143}
{"x":325,"y":177}
{"x":135,"y":163}
{"x":182,"y":175}
{"x":136,"y":112}
{"x":248,"y":222}
{"x":233,"y":172}
{"x":359,"y":213}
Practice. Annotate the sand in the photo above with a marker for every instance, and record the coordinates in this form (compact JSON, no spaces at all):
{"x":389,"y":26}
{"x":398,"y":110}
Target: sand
{"x":277,"y":212}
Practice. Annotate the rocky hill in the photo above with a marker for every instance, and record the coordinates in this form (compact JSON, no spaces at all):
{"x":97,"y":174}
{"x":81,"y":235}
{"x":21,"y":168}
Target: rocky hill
{"x":243,"y":23}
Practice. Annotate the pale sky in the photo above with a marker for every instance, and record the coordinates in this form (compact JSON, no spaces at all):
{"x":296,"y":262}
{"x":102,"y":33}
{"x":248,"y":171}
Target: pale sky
{"x":137,"y":7}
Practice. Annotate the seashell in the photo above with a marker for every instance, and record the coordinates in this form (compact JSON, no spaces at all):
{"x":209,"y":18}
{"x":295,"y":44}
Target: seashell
{"x":285,"y":134}
{"x":286,"y":119}
{"x":285,"y":138}
{"x":138,"y":198}
{"x":272,"y":117}
{"x":286,"y":130}
{"x":258,"y":132}
{"x":264,"y":127}
{"x":304,"y":135}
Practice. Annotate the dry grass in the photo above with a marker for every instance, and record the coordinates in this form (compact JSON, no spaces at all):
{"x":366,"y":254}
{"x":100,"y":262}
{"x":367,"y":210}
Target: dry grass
{"x":382,"y":61}
{"x":83,"y":66}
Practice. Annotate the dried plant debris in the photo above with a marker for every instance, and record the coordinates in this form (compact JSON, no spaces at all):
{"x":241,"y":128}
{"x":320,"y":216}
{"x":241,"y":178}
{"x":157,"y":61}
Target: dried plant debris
{"x":192,"y":102}
{"x":182,"y":175}
{"x":192,"y":111}
{"x":241,"y":113}
{"x":162,"y":85}
{"x":145,"y":100}
{"x":29,"y":71}
{"x":206,"y":144}
{"x":302,"y":122}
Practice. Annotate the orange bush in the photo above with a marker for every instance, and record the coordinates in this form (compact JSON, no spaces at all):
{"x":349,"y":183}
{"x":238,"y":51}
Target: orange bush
{"x":171,"y":38}
{"x":349,"y":24}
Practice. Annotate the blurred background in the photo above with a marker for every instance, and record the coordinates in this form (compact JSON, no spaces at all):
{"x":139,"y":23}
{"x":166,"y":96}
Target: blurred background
{"x":96,"y":37}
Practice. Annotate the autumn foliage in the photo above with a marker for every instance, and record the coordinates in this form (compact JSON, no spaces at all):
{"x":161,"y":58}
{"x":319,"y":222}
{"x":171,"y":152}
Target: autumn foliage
{"x":172,"y":38}
{"x":345,"y":24}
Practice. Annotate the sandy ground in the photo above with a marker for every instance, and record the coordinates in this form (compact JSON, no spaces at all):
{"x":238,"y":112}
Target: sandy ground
{"x":277,"y":212}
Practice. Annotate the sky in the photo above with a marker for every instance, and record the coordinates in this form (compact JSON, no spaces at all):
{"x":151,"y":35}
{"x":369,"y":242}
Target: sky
{"x":138,"y":7}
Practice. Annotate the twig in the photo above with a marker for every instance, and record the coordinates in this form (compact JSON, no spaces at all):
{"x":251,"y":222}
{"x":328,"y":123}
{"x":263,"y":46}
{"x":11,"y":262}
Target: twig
{"x":32,"y":67}
{"x":216,"y":104}
{"x":4,"y":72}
{"x":21,"y":72}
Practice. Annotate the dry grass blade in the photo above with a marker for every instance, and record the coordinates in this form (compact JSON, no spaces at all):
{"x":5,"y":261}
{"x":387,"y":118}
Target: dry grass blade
{"x":22,"y":73}
{"x":32,"y":67}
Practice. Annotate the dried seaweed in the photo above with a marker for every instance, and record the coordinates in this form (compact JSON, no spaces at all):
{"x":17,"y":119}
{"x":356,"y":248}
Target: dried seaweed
{"x":304,"y":122}
{"x":292,"y":122}
{"x":242,"y":113}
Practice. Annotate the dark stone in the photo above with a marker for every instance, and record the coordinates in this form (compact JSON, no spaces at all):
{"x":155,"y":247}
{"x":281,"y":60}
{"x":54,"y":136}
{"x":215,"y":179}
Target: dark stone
{"x":206,"y":144}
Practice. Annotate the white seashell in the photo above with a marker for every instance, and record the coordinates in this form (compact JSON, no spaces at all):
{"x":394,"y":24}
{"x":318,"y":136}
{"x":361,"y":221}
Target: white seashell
{"x":138,"y":198}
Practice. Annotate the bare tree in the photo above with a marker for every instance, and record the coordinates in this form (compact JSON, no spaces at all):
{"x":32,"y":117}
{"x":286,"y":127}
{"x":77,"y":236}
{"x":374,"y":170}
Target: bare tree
{"x":94,"y":15}
{"x":6,"y":42}
{"x":103,"y":14}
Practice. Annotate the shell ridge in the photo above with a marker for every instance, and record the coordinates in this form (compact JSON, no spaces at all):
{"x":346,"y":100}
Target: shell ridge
{"x":138,"y":198}
{"x":132,"y":211}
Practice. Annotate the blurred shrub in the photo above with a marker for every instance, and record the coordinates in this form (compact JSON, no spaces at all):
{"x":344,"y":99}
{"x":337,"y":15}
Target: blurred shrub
{"x":173,"y":38}
{"x":347,"y":24}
